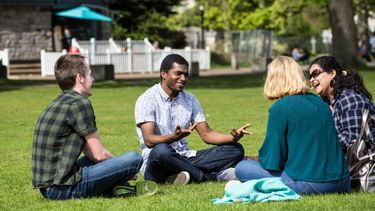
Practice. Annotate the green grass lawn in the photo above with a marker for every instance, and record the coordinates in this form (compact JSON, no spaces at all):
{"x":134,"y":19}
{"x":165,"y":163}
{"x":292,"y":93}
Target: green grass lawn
{"x":229,"y":101}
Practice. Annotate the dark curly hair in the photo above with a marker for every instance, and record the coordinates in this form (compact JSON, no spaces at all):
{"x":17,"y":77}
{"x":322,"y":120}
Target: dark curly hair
{"x":346,"y":78}
{"x":169,"y":60}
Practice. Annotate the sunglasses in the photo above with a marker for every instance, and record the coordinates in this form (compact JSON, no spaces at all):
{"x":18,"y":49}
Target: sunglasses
{"x":315,"y":73}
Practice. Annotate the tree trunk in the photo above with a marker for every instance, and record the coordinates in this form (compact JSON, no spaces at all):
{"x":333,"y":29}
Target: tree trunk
{"x":344,"y":37}
{"x":362,"y":26}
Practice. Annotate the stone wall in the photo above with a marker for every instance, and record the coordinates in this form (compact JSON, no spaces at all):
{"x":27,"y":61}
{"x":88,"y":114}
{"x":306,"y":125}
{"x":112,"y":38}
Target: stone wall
{"x":25,"y":30}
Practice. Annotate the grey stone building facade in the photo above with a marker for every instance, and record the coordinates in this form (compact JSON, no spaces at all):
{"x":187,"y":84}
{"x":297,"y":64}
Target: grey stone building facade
{"x":25,"y":30}
{"x":26,"y":27}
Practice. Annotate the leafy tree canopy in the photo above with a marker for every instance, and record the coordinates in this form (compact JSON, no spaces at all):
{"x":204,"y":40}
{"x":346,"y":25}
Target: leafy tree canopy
{"x":285,"y":17}
{"x":143,"y":18}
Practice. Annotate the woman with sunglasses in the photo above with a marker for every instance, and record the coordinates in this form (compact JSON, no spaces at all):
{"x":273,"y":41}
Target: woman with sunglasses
{"x":346,"y":94}
{"x":301,"y":144}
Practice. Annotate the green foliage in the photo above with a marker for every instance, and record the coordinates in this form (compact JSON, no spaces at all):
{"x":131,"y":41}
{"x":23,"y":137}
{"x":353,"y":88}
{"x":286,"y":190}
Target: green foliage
{"x":140,"y":19}
{"x":218,"y":15}
{"x":290,"y":17}
{"x":285,"y":17}
{"x":228,"y":102}
{"x":364,"y":9}
{"x":228,"y":15}
{"x":369,"y":4}
{"x":187,"y":18}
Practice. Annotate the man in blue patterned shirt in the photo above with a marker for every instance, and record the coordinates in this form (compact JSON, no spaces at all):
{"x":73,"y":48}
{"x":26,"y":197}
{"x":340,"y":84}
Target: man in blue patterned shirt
{"x":64,"y":130}
{"x":165,"y":115}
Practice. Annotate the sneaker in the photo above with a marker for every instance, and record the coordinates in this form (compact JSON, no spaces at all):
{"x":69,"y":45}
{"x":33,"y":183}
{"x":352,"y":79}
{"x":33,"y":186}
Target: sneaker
{"x":145,"y":188}
{"x":226,"y":175}
{"x":181,"y":178}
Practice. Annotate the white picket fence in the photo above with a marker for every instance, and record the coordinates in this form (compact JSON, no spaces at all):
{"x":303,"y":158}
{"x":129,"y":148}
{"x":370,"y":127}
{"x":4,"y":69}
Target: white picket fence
{"x":126,"y":56}
{"x":4,"y":58}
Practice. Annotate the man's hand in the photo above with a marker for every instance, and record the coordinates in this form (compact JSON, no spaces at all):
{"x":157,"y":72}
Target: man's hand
{"x":181,"y":132}
{"x":237,"y":134}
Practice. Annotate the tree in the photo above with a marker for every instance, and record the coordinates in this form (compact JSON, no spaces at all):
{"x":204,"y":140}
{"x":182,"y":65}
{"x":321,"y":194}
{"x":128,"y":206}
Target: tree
{"x":285,"y":17}
{"x":363,"y":9}
{"x":143,"y":18}
{"x":344,"y":37}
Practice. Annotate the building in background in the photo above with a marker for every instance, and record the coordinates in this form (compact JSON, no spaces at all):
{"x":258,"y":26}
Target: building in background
{"x":28,"y":26}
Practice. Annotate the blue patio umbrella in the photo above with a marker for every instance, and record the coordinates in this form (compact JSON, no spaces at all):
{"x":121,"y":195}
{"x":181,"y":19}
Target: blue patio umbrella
{"x":83,"y":12}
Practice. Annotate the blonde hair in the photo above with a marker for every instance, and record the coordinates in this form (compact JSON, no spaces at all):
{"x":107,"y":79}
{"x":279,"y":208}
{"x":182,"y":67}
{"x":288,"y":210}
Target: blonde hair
{"x":284,"y":77}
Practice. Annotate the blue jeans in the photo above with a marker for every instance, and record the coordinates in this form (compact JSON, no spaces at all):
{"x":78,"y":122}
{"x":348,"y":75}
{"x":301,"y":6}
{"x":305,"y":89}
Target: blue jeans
{"x":97,"y":179}
{"x":164,"y":161}
{"x":251,"y":169}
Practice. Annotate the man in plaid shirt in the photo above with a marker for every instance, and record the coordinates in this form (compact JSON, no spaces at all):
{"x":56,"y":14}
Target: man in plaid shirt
{"x":64,"y":130}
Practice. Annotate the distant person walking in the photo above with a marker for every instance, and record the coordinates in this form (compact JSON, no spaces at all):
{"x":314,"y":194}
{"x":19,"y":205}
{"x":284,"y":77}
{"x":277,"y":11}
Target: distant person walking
{"x":67,"y":39}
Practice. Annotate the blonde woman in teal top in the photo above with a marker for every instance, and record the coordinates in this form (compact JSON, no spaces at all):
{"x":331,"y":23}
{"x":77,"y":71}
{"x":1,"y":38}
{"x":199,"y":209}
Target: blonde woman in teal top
{"x":301,"y":144}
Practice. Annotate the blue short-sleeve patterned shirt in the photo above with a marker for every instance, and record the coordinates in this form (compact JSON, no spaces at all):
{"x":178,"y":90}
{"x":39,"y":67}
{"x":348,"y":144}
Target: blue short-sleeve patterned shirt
{"x":155,"y":106}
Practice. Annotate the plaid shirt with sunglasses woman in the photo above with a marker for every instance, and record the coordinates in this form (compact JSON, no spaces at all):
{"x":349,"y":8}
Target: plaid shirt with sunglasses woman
{"x":348,"y":110}
{"x":344,"y":90}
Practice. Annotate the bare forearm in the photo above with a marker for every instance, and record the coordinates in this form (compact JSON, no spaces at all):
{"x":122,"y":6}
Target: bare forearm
{"x":94,"y":150}
{"x":217,"y":138}
{"x":98,"y":156}
{"x":153,"y":140}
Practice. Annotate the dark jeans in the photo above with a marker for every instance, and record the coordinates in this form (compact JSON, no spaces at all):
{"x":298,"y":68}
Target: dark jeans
{"x":164,"y":161}
{"x":97,"y":179}
{"x":251,"y":169}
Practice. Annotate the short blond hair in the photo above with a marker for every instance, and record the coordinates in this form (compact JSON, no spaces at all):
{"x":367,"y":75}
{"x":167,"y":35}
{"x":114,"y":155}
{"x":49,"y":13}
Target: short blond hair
{"x":284,"y":77}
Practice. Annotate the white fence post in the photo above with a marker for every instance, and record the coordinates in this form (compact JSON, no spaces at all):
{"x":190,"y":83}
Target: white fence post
{"x":5,"y":61}
{"x":188,"y":56}
{"x":107,"y":51}
{"x":149,"y":60}
{"x":47,"y":61}
{"x":208,"y":58}
{"x":113,"y":46}
{"x":130,"y":55}
{"x":5,"y":57}
{"x":92,"y":50}
{"x":43,"y":61}
{"x":148,"y":45}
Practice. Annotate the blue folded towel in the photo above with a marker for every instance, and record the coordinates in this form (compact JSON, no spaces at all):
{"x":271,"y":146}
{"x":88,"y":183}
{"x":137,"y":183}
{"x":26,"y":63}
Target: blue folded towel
{"x":260,"y":190}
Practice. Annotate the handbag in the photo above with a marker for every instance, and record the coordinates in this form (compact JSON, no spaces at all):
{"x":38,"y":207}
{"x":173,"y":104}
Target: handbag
{"x":361,"y":159}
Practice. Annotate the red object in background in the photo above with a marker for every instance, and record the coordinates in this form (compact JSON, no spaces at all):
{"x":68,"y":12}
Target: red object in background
{"x":74,"y":50}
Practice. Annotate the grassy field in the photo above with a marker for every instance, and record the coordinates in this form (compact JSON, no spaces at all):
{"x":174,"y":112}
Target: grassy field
{"x":229,"y":101}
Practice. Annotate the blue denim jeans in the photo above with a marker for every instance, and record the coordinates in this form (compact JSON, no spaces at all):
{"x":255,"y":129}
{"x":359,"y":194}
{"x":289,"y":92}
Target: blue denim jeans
{"x":251,"y":169}
{"x":97,"y":179}
{"x":164,"y":161}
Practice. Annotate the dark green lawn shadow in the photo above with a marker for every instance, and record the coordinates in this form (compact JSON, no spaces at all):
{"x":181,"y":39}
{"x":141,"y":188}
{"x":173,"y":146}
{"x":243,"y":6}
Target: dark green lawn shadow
{"x":208,"y":82}
{"x":13,"y":85}
{"x":214,"y":82}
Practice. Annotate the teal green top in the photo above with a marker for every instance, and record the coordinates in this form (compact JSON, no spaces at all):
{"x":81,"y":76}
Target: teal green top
{"x":301,"y":140}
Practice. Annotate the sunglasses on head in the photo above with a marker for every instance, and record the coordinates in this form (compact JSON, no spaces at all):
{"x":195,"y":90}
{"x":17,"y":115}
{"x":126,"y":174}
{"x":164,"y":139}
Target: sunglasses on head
{"x":315,"y":73}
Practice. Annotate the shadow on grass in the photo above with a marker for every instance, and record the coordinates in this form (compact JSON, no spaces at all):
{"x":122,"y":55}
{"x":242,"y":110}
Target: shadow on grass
{"x":214,"y":82}
{"x":11,"y":85}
